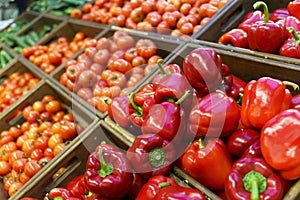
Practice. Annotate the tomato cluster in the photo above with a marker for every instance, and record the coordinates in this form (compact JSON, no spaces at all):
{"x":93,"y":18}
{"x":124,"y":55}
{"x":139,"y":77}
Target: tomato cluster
{"x":48,"y":57}
{"x":30,"y":145}
{"x":15,"y":86}
{"x":109,"y":68}
{"x":175,"y":17}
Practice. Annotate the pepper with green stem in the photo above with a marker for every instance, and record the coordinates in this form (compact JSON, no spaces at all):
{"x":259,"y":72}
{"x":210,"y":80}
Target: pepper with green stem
{"x":291,"y":47}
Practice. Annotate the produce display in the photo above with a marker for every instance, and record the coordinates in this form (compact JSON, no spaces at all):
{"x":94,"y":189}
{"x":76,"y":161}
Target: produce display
{"x":275,"y":32}
{"x":99,"y":111}
{"x":49,"y":57}
{"x":175,"y":17}
{"x":109,"y":67}
{"x":28,"y":146}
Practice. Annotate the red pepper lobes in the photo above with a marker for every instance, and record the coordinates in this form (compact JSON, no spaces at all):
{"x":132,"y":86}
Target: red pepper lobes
{"x":237,"y":89}
{"x":202,"y":68}
{"x":293,"y":22}
{"x":168,"y":69}
{"x":153,"y":186}
{"x":240,"y":140}
{"x":253,"y":151}
{"x":291,"y":47}
{"x":295,"y":102}
{"x":140,"y":103}
{"x":209,"y":164}
{"x":293,"y":8}
{"x":250,"y":19}
{"x":235,"y":37}
{"x":164,"y":119}
{"x":263,"y":99}
{"x":253,"y":179}
{"x":214,"y":115}
{"x":151,"y":155}
{"x":179,"y":192}
{"x":280,"y":143}
{"x":60,"y":194}
{"x":108,"y":172}
{"x":279,"y":14}
{"x":266,"y":35}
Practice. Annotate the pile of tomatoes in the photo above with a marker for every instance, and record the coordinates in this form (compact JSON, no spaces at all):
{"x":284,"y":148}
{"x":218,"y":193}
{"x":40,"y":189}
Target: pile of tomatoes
{"x":175,"y":17}
{"x":48,"y":57}
{"x":30,"y":145}
{"x":15,"y":86}
{"x":109,"y":68}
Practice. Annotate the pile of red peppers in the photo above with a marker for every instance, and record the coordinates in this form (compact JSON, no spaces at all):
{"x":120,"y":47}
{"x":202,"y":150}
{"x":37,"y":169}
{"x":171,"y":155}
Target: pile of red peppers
{"x":276,"y":32}
{"x":239,"y":139}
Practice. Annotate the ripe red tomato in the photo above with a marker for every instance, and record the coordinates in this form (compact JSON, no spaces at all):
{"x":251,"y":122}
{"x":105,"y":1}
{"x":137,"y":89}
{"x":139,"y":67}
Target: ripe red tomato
{"x":146,"y":48}
{"x":53,"y":106}
{"x":14,"y":188}
{"x":4,"y":168}
{"x":32,"y":167}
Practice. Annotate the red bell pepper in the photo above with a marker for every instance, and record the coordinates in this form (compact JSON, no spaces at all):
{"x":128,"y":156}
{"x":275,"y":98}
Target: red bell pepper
{"x":295,"y":102}
{"x":250,"y":19}
{"x":164,"y":119}
{"x":208,"y":163}
{"x":151,"y":155}
{"x":153,"y":186}
{"x":279,"y":14}
{"x":108,"y":172}
{"x":202,"y":67}
{"x":280,"y":143}
{"x":237,"y":89}
{"x":291,"y":47}
{"x":240,"y":140}
{"x":253,"y":179}
{"x":179,"y":192}
{"x":235,"y":37}
{"x":140,"y":103}
{"x":263,"y":99}
{"x":227,"y":78}
{"x":293,"y":22}
{"x":293,"y":8}
{"x":214,"y":115}
{"x":118,"y":111}
{"x":59,"y":194}
{"x":165,"y":70}
{"x":253,"y":151}
{"x":266,"y":35}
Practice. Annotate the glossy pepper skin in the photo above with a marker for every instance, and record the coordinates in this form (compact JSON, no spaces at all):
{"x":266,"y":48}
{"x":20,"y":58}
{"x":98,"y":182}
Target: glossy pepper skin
{"x":280,"y":139}
{"x":208,"y":163}
{"x":253,"y":179}
{"x":240,"y":140}
{"x":266,"y":35}
{"x":118,"y":111}
{"x":153,"y":186}
{"x":179,"y":192}
{"x":292,"y":22}
{"x":202,"y":67}
{"x":295,"y":102}
{"x":108,"y":172}
{"x":151,"y":155}
{"x":237,"y":89}
{"x":140,"y":103}
{"x":293,"y":8}
{"x":214,"y":115}
{"x":263,"y":99}
{"x":279,"y":14}
{"x":235,"y":37}
{"x":253,"y":151}
{"x":249,"y":19}
{"x":59,"y":193}
{"x":165,"y":70}
{"x":164,"y":119}
{"x":291,"y":47}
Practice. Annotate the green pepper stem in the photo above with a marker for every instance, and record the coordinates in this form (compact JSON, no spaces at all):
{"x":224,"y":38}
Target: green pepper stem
{"x":160,"y":65}
{"x":57,"y":198}
{"x":295,"y":35}
{"x":157,"y":157}
{"x":89,"y":194}
{"x":137,"y":109}
{"x":240,"y":99}
{"x":164,"y":184}
{"x":265,"y":7}
{"x":181,"y":99}
{"x":255,"y":183}
{"x":200,"y":143}
{"x":106,"y":168}
{"x":289,"y":83}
